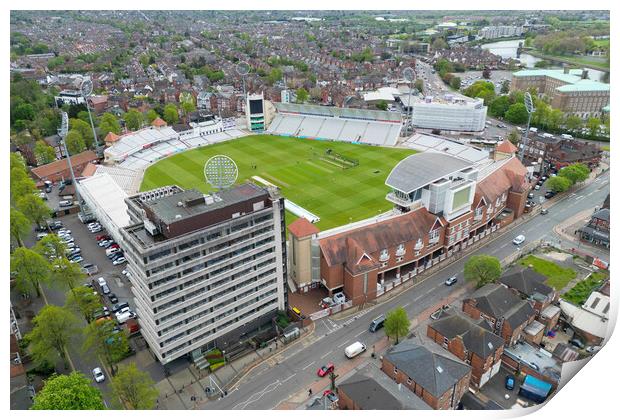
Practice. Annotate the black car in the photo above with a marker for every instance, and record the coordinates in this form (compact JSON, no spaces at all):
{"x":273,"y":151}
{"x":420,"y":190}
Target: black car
{"x":113,"y":298}
{"x":510,"y":382}
{"x":549,"y":194}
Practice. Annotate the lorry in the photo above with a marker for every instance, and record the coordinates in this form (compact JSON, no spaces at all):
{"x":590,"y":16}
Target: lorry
{"x":354,"y":349}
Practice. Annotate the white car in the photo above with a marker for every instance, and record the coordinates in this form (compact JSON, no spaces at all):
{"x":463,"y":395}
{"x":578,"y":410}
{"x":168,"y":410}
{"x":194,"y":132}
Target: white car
{"x":98,"y":375}
{"x":119,"y":261}
{"x":126,"y":273}
{"x":64,"y":232}
{"x":339,"y":298}
{"x":518,"y":240}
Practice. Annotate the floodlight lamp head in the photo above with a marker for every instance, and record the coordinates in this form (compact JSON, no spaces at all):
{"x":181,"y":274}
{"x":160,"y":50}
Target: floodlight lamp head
{"x":242,"y":68}
{"x":86,"y":87}
{"x":409,"y":74}
{"x":529,"y":103}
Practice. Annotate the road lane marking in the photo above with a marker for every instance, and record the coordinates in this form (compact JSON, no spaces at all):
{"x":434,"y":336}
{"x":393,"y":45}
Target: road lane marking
{"x":307,"y":366}
{"x":343,"y":344}
{"x":258,"y":395}
{"x":360,"y":333}
{"x":289,"y":377}
{"x":326,"y":354}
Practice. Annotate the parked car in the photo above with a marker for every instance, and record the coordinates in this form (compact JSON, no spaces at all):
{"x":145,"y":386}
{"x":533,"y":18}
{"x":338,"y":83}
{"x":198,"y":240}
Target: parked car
{"x":41,"y":236}
{"x":509,"y":382}
{"x":593,"y":349}
{"x":102,"y":237}
{"x":530,"y":195}
{"x":119,"y":261}
{"x":339,"y":298}
{"x":330,"y":395}
{"x":96,"y":230}
{"x":64,"y":231}
{"x":377,"y":324}
{"x":98,"y":375}
{"x":43,"y":196}
{"x":577,"y":343}
{"x":536,"y":187}
{"x":119,"y":306}
{"x":101,"y":281}
{"x":325,"y":370}
{"x":549,"y":194}
{"x":518,"y":240}
{"x":113,"y":298}
{"x":544,"y":211}
{"x":123,"y":315}
{"x":326,"y":302}
{"x":77,"y":259}
{"x":126,"y":273}
{"x":104,"y":243}
{"x":65,"y":203}
{"x":452,"y":280}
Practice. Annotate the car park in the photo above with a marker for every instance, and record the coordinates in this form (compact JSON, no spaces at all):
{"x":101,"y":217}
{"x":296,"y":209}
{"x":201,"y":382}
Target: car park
{"x":518,"y":240}
{"x":105,"y":289}
{"x":64,"y":231}
{"x":98,"y":375}
{"x":104,"y":243}
{"x":76,"y":259}
{"x":325,"y":370}
{"x":123,"y":315}
{"x":119,"y":306}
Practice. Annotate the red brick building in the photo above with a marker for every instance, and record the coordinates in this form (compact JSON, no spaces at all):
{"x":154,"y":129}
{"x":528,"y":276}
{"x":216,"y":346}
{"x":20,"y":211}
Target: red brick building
{"x":505,"y":313}
{"x":59,"y":169}
{"x":471,"y":342}
{"x":438,"y":380}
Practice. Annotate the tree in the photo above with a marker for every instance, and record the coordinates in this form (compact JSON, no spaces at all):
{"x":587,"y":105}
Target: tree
{"x":188,"y":106}
{"x":593,"y":125}
{"x":505,"y":87}
{"x":29,"y":270}
{"x":382,"y":105}
{"x":499,"y":106}
{"x":514,"y":136}
{"x":109,"y":124}
{"x":83,"y":301}
{"x":34,"y":208}
{"x":44,"y":152}
{"x":419,"y":85}
{"x":439,"y":44}
{"x":274,"y":75}
{"x":171,"y":115}
{"x":558,"y":184}
{"x":101,"y":338}
{"x":68,"y":392}
{"x":133,"y":119}
{"x":75,"y":142}
{"x":516,"y":114}
{"x":85,"y":130}
{"x":134,"y":388}
{"x":151,"y":116}
{"x":397,"y":323}
{"x":67,"y":273}
{"x":575,"y":173}
{"x":54,"y":326}
{"x":21,"y":184}
{"x":574,"y":123}
{"x":20,"y":226}
{"x":50,"y":247}
{"x":482,"y":269}
{"x":555,"y":118}
{"x":302,"y":95}
{"x":455,"y":83}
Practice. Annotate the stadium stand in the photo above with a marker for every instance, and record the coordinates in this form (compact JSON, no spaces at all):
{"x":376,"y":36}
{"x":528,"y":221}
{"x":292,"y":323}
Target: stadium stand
{"x":380,"y":128}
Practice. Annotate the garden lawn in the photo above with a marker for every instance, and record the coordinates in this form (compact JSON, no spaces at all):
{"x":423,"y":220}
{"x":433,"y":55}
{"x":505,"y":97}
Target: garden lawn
{"x":338,"y":196}
{"x":581,"y":291}
{"x":557,"y":276}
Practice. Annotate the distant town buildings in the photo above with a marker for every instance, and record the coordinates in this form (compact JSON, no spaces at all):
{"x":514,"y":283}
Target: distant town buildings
{"x":492,"y":32}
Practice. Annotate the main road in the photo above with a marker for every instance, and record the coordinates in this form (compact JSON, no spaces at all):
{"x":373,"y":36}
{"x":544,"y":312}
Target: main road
{"x":271,"y":383}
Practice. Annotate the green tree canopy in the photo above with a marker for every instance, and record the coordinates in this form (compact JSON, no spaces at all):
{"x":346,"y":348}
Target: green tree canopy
{"x":83,"y":301}
{"x":171,"y":115}
{"x":574,"y":123}
{"x":558,"y":184}
{"x":19,"y":226}
{"x":274,"y":75}
{"x":575,"y":173}
{"x":514,"y":136}
{"x":593,"y":125}
{"x":505,"y":87}
{"x":134,"y":388}
{"x":455,"y":83}
{"x":499,"y":106}
{"x":419,"y":85}
{"x":50,"y":247}
{"x":133,"y":119}
{"x":482,"y":269}
{"x":382,"y":105}
{"x":75,"y":142}
{"x":109,"y":124}
{"x":44,"y":152}
{"x":397,"y":323}
{"x":21,"y":184}
{"x":34,"y":208}
{"x":302,"y":95}
{"x":68,"y":392}
{"x":85,"y":131}
{"x":66,"y":273}
{"x":516,"y":114}
{"x":101,"y":338}
{"x":151,"y":116}
{"x":53,"y":328}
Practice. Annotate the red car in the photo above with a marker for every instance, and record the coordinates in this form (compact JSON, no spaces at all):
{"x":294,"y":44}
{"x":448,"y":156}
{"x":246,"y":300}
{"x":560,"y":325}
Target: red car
{"x":101,"y":237}
{"x":114,"y":246}
{"x":325,"y":370}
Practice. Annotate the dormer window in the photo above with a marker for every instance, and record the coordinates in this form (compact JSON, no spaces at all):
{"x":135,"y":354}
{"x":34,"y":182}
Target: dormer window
{"x":433,"y":236}
{"x":504,"y":197}
{"x":400,"y":251}
{"x":384,"y":255}
{"x":418,"y":245}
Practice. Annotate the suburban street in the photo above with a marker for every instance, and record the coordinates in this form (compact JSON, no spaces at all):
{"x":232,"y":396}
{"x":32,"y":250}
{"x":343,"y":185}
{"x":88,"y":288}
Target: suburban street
{"x":294,"y":370}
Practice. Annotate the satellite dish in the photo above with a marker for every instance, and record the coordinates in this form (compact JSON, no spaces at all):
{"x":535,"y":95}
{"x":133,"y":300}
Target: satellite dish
{"x":529,"y":103}
{"x":86,"y":87}
{"x":409,"y":74}
{"x":221,"y":171}
{"x":242,"y":68}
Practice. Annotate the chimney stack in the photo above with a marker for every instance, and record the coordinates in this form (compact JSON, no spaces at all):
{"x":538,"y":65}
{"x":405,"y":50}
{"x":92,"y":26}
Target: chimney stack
{"x":584,"y":73}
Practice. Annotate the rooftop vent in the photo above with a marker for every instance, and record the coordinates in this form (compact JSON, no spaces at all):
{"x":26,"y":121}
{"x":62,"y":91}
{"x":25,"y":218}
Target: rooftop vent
{"x":180,"y":204}
{"x":439,"y":369}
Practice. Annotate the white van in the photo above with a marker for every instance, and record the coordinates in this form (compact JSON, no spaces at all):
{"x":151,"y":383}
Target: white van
{"x":354,"y":349}
{"x":567,"y":136}
{"x":534,"y":129}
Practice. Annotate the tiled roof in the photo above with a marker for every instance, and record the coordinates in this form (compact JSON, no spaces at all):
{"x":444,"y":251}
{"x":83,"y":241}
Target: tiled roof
{"x":476,"y":338}
{"x":111,"y":137}
{"x":526,"y":281}
{"x":495,"y":300}
{"x":302,"y":228}
{"x":89,"y":169}
{"x":511,"y":175}
{"x":349,"y":247}
{"x":158,"y":122}
{"x":60,"y":165}
{"x":506,"y":147}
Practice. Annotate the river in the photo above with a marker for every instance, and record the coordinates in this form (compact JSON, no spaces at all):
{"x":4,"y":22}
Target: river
{"x":508,"y":49}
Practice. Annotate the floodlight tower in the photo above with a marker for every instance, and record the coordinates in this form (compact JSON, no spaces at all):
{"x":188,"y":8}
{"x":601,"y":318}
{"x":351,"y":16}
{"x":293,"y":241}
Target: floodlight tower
{"x":62,"y":132}
{"x":243,"y":69}
{"x":409,"y":75}
{"x":86,"y":88}
{"x":529,"y":106}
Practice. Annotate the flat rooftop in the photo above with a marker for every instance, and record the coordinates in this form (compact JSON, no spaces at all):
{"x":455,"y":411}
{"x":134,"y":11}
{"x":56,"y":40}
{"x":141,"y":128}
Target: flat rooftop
{"x":189,"y":203}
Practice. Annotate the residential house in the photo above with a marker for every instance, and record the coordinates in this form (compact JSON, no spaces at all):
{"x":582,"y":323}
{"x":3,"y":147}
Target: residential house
{"x":438,"y":380}
{"x":596,"y":231}
{"x":472,"y":342}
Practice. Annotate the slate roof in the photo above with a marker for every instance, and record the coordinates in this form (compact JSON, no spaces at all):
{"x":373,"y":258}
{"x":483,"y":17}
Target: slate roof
{"x":602,"y":214}
{"x":477,"y":339}
{"x":433,"y":372}
{"x":494,"y":300}
{"x":519,"y":314}
{"x":526,"y":281}
{"x":419,"y":170}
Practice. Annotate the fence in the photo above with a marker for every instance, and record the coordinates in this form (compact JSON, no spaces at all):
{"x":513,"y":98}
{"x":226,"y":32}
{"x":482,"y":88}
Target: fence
{"x":331,"y":310}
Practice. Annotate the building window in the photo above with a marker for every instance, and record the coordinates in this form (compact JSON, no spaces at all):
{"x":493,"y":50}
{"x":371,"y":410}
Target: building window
{"x":433,"y":236}
{"x":395,"y":369}
{"x":409,"y":381}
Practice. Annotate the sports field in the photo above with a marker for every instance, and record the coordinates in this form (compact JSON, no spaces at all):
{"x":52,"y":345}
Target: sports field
{"x":338,"y":196}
